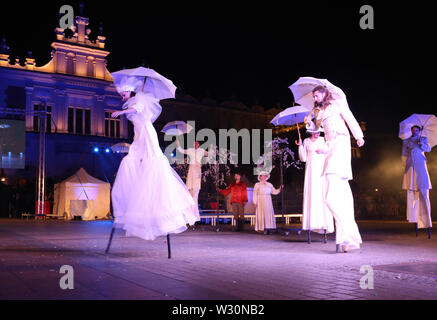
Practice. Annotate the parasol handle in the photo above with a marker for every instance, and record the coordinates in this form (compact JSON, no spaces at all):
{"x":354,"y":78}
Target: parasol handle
{"x":298,"y":131}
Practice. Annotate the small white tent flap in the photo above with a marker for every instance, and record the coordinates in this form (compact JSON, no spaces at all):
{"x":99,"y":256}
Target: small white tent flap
{"x":95,"y":194}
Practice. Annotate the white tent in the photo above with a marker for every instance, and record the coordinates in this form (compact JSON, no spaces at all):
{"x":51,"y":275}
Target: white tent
{"x":82,"y":195}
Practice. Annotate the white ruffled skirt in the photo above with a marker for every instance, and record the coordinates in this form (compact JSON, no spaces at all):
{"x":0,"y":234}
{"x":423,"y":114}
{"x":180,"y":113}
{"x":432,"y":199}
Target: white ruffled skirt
{"x":150,"y":199}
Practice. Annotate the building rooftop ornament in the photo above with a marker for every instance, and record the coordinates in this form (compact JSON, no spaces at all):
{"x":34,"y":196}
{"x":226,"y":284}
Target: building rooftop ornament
{"x":74,"y":55}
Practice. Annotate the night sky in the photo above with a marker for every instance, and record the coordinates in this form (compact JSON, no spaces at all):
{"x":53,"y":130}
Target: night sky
{"x":252,"y":52}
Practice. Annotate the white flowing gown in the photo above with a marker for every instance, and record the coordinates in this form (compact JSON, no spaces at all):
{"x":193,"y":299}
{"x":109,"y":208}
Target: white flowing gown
{"x":315,"y":215}
{"x":149,"y":198}
{"x":262,"y":199}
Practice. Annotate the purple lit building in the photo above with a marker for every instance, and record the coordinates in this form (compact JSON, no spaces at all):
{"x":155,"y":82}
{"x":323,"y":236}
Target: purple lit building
{"x":77,"y":90}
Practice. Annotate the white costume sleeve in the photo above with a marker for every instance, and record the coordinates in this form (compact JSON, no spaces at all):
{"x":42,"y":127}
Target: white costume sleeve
{"x":182,"y":150}
{"x":350,"y":119}
{"x":274,"y":190}
{"x":148,"y":105}
{"x":255,"y":193}
{"x":425,"y":144}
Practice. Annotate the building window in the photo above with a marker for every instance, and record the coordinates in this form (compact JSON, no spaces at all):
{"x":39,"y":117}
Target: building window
{"x":90,"y":68}
{"x":112,"y":126}
{"x":79,"y":120}
{"x":70,"y":120}
{"x":36,"y":123}
{"x":70,"y":64}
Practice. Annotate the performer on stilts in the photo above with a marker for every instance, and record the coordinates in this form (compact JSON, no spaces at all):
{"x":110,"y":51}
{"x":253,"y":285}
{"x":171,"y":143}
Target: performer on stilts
{"x":315,"y":216}
{"x":194,"y":177}
{"x":416,"y":179}
{"x":149,"y":198}
{"x":333,"y":116}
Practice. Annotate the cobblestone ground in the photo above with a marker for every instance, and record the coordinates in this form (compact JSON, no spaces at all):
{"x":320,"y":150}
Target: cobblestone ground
{"x":207,"y":264}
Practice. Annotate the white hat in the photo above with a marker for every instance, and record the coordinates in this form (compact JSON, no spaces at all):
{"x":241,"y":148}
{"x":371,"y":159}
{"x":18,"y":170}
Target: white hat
{"x":128,"y":83}
{"x":320,"y":129}
{"x":264,"y":173}
{"x":311,"y":128}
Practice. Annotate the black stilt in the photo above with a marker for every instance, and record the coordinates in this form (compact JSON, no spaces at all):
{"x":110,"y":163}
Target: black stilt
{"x":325,"y":240}
{"x":309,"y":236}
{"x":417,"y":233}
{"x":168,"y":246}
{"x":237,"y":225}
{"x":429,"y":233}
{"x":110,"y":240}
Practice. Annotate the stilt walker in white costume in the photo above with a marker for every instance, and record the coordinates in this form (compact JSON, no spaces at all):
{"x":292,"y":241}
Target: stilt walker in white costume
{"x":149,"y":198}
{"x":315,"y":216}
{"x":416,"y":179}
{"x":333,"y":116}
{"x":194,"y":177}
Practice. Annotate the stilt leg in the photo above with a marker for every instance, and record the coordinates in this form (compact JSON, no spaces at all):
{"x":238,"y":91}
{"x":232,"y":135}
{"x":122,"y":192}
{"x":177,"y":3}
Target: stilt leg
{"x":429,"y":233}
{"x":325,"y":240}
{"x":110,"y":240}
{"x":168,"y":246}
{"x":237,"y":225}
{"x":417,"y":234}
{"x":309,"y":236}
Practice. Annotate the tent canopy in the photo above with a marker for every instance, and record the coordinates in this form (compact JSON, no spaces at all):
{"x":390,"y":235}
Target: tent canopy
{"x":82,"y":195}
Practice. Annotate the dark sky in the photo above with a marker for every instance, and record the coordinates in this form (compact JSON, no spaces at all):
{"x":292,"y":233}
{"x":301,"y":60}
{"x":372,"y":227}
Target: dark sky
{"x":253,"y":52}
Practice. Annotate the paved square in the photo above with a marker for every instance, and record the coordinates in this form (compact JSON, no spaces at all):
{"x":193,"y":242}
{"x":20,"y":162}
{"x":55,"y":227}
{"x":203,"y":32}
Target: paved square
{"x":210,"y":265}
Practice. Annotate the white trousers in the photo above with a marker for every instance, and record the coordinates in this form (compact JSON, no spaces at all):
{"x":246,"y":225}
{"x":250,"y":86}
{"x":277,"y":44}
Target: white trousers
{"x":195,"y":194}
{"x":419,"y":208}
{"x":340,"y":203}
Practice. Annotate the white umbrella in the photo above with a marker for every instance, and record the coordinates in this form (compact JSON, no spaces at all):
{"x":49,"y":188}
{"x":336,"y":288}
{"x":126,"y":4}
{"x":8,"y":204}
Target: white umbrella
{"x":176,"y":128}
{"x":303,"y":90}
{"x":151,"y":82}
{"x":428,"y":124}
{"x":291,"y":116}
{"x":121,"y":147}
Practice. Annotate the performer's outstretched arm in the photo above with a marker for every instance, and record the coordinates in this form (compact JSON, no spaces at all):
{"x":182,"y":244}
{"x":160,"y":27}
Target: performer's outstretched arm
{"x":352,"y":123}
{"x":127,"y":111}
{"x":179,"y":148}
{"x":424,"y":144}
{"x":274,"y":190}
